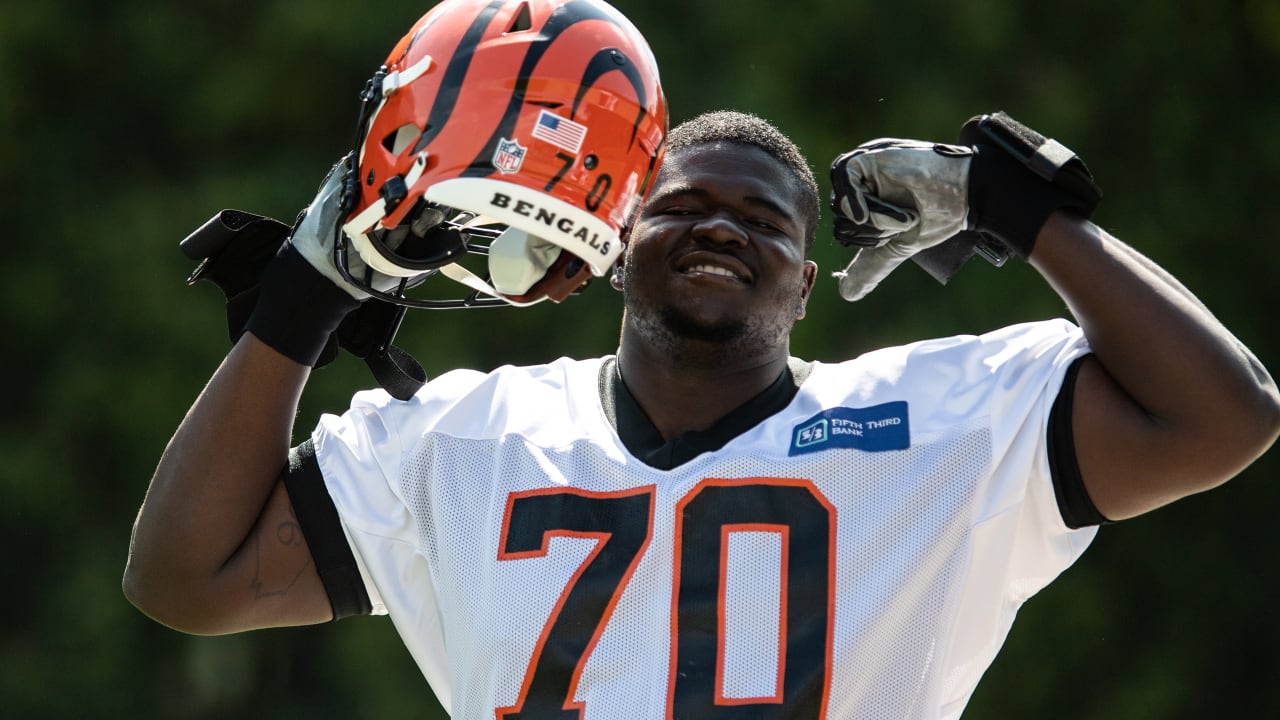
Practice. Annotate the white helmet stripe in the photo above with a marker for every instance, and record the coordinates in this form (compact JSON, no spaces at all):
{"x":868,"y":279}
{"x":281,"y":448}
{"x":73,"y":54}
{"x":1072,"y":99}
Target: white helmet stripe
{"x":538,"y":214}
{"x":398,"y":79}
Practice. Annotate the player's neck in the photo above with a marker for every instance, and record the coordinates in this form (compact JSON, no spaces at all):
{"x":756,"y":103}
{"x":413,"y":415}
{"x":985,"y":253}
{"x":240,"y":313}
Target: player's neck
{"x":680,"y":396}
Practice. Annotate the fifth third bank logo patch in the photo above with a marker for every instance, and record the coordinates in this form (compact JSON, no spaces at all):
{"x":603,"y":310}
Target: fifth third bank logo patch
{"x":872,"y":429}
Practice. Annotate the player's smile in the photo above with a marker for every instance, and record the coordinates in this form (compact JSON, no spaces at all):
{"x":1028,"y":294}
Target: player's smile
{"x":720,"y":244}
{"x":700,"y":263}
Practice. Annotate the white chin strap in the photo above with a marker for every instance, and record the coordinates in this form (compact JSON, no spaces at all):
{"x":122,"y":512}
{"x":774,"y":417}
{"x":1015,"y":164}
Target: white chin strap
{"x":459,"y":274}
{"x":399,"y":78}
{"x":517,"y":260}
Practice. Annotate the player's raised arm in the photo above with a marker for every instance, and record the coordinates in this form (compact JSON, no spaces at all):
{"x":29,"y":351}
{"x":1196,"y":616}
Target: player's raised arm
{"x":215,"y":548}
{"x":475,"y":139}
{"x":1169,"y":403}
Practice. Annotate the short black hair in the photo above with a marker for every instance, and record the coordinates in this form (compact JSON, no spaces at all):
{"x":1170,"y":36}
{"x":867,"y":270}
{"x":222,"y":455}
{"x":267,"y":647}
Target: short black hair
{"x":746,"y":129}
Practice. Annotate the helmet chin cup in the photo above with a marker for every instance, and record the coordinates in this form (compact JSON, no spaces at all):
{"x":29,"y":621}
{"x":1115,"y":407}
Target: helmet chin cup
{"x":543,"y":116}
{"x":527,"y":269}
{"x":518,"y":260}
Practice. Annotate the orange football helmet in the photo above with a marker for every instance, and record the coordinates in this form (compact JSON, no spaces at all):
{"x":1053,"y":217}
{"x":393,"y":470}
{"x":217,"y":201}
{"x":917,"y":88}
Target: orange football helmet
{"x":527,"y":130}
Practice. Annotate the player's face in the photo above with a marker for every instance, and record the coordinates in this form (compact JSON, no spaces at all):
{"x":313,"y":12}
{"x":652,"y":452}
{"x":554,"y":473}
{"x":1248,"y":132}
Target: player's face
{"x":718,"y":252}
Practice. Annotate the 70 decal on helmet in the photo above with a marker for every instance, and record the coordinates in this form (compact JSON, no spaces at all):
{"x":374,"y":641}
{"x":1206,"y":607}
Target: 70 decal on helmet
{"x":525,"y":130}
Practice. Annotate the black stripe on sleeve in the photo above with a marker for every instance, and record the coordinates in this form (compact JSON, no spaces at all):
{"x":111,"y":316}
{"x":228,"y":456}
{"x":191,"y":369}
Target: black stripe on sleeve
{"x":320,"y":525}
{"x":1074,"y":503}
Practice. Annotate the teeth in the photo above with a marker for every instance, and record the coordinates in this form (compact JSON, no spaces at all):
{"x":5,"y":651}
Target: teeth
{"x":713,"y":270}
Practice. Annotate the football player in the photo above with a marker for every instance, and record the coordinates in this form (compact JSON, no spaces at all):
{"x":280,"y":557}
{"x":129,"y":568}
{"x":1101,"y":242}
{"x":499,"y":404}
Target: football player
{"x":701,"y":525}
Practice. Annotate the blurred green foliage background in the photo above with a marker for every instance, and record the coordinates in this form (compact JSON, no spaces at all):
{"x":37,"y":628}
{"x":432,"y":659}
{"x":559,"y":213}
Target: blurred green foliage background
{"x":127,"y":124}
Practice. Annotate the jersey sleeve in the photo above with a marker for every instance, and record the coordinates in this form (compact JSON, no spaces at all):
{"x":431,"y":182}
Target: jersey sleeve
{"x":1028,"y":364}
{"x":361,"y":456}
{"x":339,"y":571}
{"x":998,"y":388}
{"x":1003,"y":385}
{"x":1019,"y":539}
{"x":357,"y":455}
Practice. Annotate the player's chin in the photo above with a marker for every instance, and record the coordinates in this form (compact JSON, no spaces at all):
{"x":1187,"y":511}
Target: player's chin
{"x":701,"y":324}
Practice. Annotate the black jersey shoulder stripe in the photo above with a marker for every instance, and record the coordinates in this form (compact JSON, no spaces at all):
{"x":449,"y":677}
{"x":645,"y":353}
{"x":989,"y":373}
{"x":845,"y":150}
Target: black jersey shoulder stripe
{"x":320,"y":525}
{"x":1074,"y":503}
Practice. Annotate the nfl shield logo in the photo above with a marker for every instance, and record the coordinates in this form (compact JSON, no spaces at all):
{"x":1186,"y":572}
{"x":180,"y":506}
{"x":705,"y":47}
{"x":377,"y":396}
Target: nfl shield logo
{"x":509,"y":156}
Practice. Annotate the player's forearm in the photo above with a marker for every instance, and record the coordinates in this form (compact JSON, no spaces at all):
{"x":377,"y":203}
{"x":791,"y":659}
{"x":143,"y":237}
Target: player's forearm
{"x":212,"y":483}
{"x":1186,"y":371}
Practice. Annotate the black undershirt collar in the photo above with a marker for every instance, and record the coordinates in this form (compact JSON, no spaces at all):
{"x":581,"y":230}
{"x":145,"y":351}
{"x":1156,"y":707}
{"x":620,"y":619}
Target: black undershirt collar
{"x":644,"y":441}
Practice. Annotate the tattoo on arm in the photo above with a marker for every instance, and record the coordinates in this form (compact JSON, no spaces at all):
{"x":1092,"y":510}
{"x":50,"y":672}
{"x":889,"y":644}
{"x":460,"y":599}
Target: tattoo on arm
{"x":286,"y":545}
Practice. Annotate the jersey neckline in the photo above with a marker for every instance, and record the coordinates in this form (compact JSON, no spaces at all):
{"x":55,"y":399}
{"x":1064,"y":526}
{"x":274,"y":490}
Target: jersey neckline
{"x":646,"y":444}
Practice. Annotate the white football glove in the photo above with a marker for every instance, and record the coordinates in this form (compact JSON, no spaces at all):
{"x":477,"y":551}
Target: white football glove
{"x":315,"y":235}
{"x":894,"y":198}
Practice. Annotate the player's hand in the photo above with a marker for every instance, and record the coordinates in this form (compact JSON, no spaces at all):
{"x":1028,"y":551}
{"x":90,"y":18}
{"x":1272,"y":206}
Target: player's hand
{"x":893,"y":198}
{"x":896,"y":199}
{"x":315,"y":234}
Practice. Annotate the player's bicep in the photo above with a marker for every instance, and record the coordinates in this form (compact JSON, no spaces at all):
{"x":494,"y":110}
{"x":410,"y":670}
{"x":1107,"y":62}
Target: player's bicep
{"x":272,"y":575}
{"x":1124,"y":453}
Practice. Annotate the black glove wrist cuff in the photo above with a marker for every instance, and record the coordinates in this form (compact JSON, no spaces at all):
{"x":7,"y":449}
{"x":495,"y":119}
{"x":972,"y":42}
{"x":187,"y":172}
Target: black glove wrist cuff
{"x":298,"y":309}
{"x":1011,"y":204}
{"x":1018,"y":178}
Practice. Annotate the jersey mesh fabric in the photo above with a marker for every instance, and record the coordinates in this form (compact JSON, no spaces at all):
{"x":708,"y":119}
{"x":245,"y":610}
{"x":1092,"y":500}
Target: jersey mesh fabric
{"x":530,"y":563}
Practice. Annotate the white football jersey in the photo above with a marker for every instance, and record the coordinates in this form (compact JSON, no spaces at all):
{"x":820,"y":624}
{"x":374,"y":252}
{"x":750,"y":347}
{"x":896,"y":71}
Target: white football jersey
{"x":859,"y":554}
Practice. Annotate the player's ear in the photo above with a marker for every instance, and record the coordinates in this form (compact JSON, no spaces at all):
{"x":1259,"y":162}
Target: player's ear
{"x":615,"y":280}
{"x":810,"y":273}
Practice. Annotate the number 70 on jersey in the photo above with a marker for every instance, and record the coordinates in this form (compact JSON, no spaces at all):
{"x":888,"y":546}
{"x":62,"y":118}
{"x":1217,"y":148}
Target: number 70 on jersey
{"x":727,"y":661}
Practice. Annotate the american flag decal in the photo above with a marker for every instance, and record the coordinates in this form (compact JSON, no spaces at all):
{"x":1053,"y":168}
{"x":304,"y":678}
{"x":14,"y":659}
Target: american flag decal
{"x":561,"y":132}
